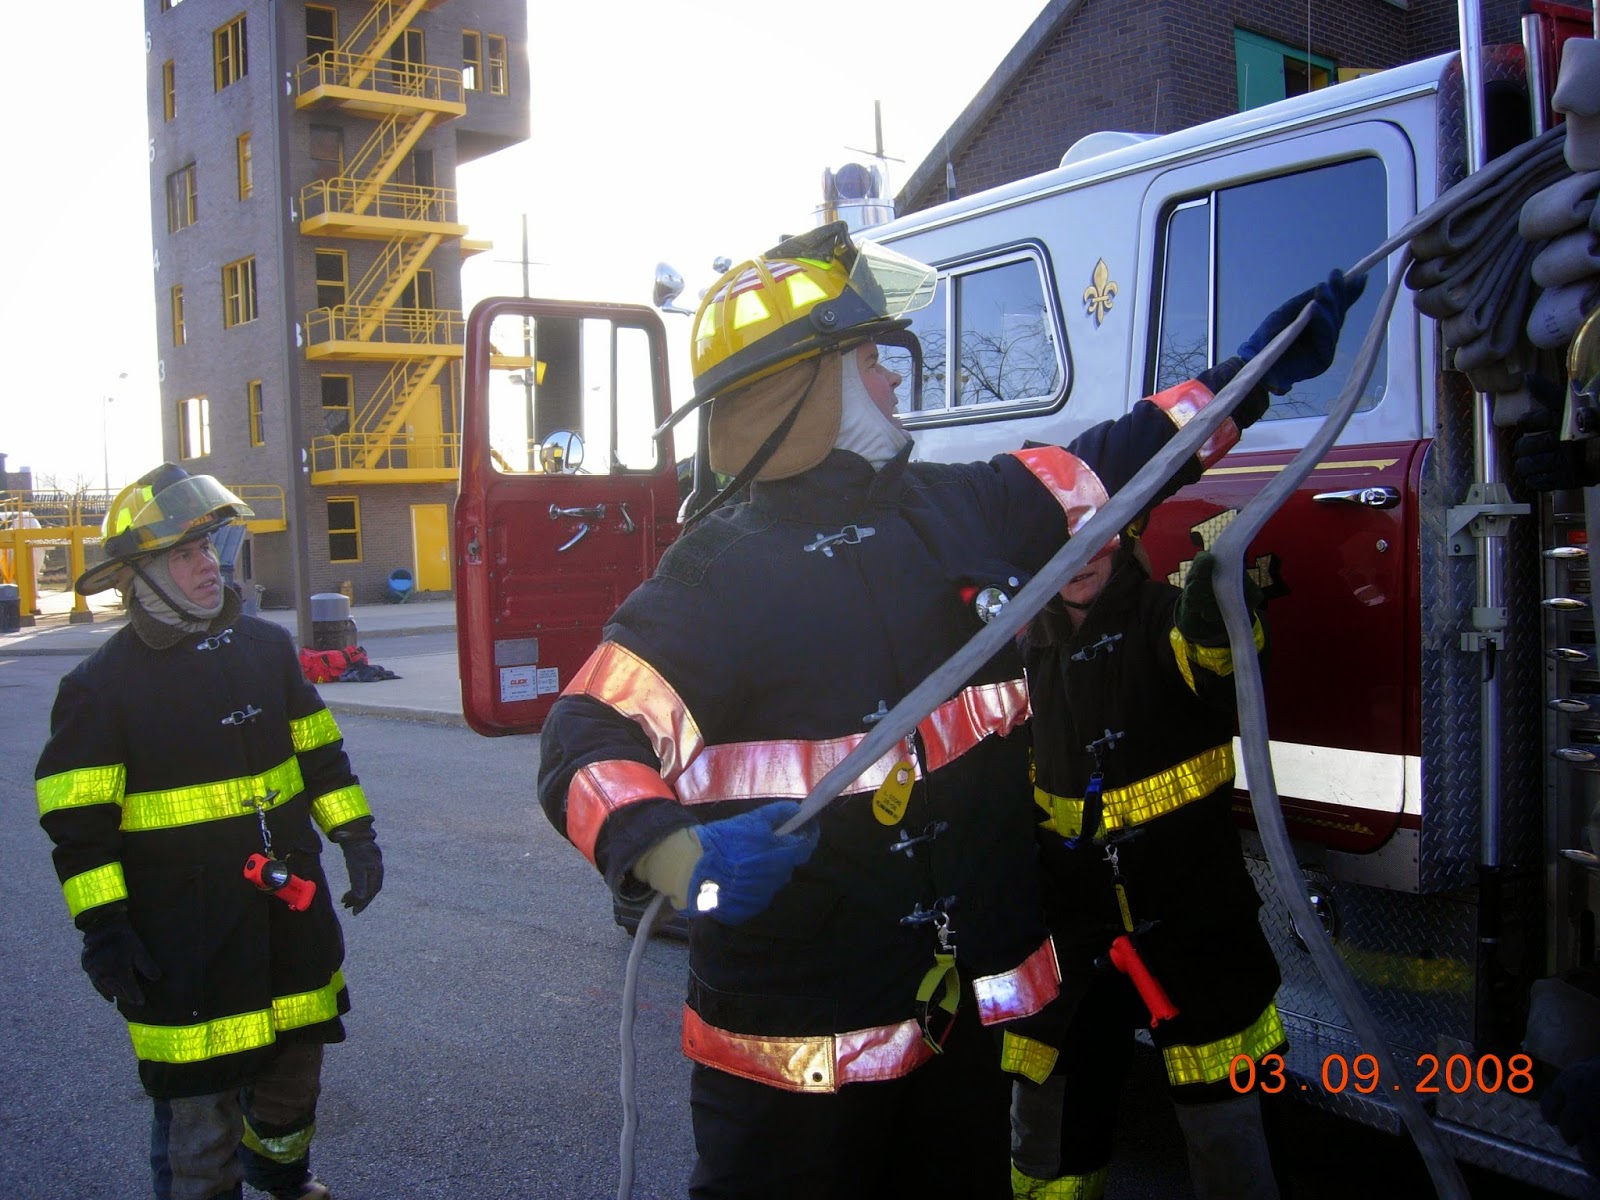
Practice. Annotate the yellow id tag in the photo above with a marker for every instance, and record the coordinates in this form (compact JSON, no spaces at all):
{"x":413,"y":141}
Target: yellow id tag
{"x":894,"y":794}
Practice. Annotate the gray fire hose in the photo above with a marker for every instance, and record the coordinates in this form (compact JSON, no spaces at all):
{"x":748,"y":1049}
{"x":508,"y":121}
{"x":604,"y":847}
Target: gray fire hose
{"x":1229,"y":550}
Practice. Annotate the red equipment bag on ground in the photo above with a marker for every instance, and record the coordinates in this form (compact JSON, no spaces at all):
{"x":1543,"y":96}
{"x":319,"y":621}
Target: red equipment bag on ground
{"x":326,"y":666}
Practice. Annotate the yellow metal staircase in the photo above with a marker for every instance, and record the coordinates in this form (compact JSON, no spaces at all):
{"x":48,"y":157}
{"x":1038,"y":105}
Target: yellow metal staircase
{"x":365,"y":201}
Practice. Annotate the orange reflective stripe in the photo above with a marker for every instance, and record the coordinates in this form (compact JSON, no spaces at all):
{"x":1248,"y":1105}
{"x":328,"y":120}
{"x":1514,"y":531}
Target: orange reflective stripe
{"x":616,"y":676}
{"x":822,"y":1062}
{"x":1182,"y":403}
{"x":963,"y":721}
{"x":791,"y":769}
{"x":1071,"y":481}
{"x":600,"y":789}
{"x":1021,"y":991}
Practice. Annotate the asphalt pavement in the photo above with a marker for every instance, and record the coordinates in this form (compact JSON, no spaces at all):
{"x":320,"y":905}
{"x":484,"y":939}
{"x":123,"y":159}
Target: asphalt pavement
{"x":429,"y":687}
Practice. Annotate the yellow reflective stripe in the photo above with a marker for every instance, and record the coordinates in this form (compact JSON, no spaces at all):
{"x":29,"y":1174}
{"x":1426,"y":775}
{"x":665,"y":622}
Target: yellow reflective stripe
{"x":1216,"y":659}
{"x":288,"y":1148}
{"x":207,"y":1040}
{"x":210,"y":801}
{"x":1161,"y":793}
{"x":87,"y":785}
{"x":1069,"y":1187}
{"x":1026,"y":1057}
{"x":244,"y":1031}
{"x":309,"y":1008}
{"x":338,"y":806}
{"x":1210,"y":1063}
{"x":319,"y":729}
{"x":94,"y":888}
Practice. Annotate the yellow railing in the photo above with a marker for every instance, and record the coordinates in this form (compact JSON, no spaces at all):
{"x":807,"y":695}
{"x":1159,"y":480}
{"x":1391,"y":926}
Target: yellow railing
{"x":385,"y":326}
{"x":382,"y":153}
{"x":385,"y":452}
{"x":391,"y":202}
{"x":389,"y":78}
{"x":265,"y":499}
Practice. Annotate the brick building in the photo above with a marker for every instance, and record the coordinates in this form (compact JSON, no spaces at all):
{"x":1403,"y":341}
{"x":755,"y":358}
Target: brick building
{"x":1085,"y":66}
{"x":307,"y":253}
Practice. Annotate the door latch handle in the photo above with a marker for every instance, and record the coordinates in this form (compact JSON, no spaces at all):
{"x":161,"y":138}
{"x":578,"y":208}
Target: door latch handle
{"x":598,"y":512}
{"x":583,"y":532}
{"x":1367,"y":497}
{"x":627,"y":521}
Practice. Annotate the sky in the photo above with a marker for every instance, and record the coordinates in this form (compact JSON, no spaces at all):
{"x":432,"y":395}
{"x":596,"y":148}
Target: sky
{"x":671,"y":132}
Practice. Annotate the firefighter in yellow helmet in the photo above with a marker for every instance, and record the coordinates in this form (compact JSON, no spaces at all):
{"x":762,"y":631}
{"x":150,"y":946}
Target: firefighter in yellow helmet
{"x":187,"y":762}
{"x":861,"y":990}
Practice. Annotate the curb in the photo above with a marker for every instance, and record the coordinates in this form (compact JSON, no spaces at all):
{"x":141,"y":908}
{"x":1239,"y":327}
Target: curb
{"x":356,"y":708}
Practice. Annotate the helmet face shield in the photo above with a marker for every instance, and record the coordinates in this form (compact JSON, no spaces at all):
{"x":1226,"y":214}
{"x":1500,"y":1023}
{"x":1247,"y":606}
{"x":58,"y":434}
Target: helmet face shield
{"x":890,"y":283}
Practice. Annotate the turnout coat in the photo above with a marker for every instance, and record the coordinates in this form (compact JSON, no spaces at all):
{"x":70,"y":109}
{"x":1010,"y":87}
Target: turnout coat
{"x":769,"y":640}
{"x":149,"y":786}
{"x":1126,"y":694}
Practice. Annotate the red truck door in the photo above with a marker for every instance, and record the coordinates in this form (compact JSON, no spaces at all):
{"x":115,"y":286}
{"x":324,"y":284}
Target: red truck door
{"x":566,"y":500}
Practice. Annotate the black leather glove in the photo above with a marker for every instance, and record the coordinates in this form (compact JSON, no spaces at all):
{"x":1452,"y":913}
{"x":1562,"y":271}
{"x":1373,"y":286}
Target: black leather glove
{"x":1310,"y":354}
{"x":1540,"y":460}
{"x":363,"y":862}
{"x":1198,"y":615}
{"x":115,"y":959}
{"x":1572,"y":1105}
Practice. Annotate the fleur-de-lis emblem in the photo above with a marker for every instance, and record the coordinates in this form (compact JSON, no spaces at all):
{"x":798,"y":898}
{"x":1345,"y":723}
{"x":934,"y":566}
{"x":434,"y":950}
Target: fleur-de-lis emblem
{"x":1097,"y":297}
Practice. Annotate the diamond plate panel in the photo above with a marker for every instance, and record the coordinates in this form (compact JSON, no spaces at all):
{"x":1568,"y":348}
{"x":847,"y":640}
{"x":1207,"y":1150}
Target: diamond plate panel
{"x":1411,"y":956}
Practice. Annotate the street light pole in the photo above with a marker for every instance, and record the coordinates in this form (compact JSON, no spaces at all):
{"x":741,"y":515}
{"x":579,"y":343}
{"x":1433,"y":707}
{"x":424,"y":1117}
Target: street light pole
{"x":105,"y":440}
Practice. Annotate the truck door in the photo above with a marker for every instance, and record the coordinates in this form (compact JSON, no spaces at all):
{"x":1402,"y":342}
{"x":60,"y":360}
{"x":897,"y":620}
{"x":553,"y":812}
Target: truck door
{"x":1231,"y":238}
{"x":566,"y":500}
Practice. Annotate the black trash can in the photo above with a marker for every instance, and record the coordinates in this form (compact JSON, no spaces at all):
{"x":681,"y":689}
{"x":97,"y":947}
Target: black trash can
{"x":10,"y":608}
{"x":331,"y":626}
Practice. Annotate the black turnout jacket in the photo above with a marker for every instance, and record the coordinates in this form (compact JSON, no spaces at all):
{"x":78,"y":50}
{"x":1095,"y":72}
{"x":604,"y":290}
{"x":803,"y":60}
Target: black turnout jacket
{"x":759,"y":654}
{"x":148,"y":787}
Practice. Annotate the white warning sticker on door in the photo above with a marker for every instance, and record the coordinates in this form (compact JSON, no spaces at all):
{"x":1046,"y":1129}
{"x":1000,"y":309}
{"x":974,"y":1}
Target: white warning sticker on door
{"x":518,"y":683}
{"x":549,"y":680}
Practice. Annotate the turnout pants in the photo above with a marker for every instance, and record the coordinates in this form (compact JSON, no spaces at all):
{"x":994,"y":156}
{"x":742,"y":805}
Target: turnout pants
{"x":202,"y":1147}
{"x":939,"y":1133}
{"x":1061,"y":1130}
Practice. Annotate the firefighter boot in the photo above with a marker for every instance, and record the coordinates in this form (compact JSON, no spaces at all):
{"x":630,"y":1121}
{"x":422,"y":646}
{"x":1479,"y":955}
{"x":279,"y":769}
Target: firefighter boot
{"x":311,"y":1189}
{"x":1227,"y":1145}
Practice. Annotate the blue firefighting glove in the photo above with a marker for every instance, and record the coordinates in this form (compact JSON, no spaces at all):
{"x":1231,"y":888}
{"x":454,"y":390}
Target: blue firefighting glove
{"x":363,"y":862}
{"x":1540,"y":460}
{"x":115,"y":959}
{"x":1198,"y":615}
{"x":744,"y":861}
{"x":1310,"y":354}
{"x":1572,"y":1105}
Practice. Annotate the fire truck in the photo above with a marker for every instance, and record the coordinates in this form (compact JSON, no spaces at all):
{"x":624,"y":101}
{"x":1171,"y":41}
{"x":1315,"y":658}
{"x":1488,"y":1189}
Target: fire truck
{"x":1432,"y":686}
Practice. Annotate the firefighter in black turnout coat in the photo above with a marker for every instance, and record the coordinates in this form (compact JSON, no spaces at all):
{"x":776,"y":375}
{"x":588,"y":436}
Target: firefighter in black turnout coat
{"x":841,"y":975}
{"x":187,"y":763}
{"x":1133,"y":720}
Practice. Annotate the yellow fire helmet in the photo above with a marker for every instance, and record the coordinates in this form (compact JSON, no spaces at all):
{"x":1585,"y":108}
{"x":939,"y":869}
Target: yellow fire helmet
{"x":810,"y":294}
{"x":157,"y":512}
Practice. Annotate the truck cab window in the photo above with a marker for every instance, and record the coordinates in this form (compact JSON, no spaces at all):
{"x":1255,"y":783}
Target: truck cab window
{"x":1228,"y":252}
{"x":563,"y":375}
{"x":1006,"y":349}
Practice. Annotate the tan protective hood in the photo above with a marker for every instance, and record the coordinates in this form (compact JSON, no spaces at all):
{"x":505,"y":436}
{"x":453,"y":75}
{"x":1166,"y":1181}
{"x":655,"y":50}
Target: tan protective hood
{"x":744,"y":418}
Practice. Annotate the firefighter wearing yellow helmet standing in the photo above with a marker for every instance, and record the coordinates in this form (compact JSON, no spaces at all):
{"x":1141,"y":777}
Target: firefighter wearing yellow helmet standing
{"x":187,"y":761}
{"x":861,"y":989}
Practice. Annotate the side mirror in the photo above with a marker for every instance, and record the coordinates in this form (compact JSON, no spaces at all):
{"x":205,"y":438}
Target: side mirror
{"x":668,"y":287}
{"x":561,"y":453}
